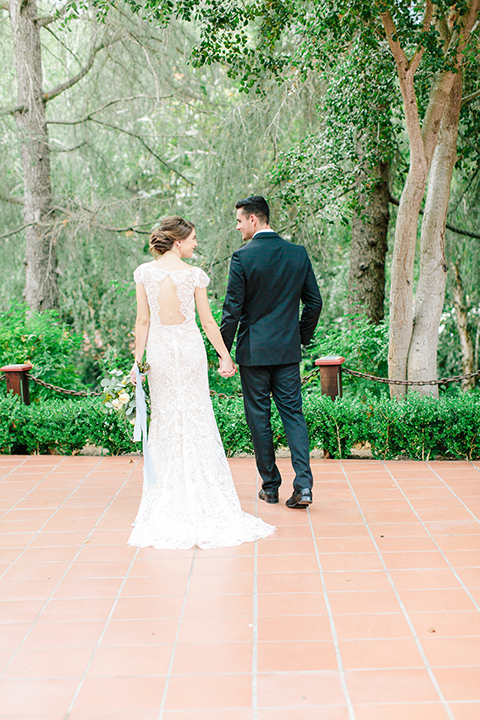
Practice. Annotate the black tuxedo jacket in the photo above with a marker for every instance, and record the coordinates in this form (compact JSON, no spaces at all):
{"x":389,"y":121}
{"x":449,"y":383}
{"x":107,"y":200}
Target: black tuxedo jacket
{"x":268,"y":278}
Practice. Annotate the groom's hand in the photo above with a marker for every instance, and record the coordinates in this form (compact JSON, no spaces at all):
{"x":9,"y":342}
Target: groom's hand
{"x":227,"y":367}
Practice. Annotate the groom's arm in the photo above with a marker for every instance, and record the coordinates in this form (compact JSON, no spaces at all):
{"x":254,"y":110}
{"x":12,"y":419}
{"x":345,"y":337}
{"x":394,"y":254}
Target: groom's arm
{"x":234,"y":299}
{"x":312,"y":308}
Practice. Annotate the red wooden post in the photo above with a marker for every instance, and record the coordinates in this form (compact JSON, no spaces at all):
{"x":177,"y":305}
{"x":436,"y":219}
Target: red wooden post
{"x":16,"y":377}
{"x":331,"y":375}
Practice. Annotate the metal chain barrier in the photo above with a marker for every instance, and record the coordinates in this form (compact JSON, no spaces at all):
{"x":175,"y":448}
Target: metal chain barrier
{"x":311,"y":375}
{"x":305,"y":380}
{"x":49,"y":386}
{"x":225,"y":397}
{"x":441,"y":381}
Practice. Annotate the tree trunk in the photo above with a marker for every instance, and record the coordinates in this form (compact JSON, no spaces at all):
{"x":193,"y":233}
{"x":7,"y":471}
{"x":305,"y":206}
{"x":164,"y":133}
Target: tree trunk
{"x":462,"y":326}
{"x":430,"y":295}
{"x":423,"y":141}
{"x":41,"y":290}
{"x":366,"y":283}
{"x":401,"y":286}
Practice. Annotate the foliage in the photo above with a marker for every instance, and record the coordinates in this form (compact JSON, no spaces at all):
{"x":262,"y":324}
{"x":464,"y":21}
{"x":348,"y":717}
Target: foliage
{"x":422,"y":427}
{"x":347,"y":47}
{"x":146,"y":133}
{"x":46,"y":342}
{"x":417,"y":426}
{"x":61,"y":427}
{"x":363,"y":345}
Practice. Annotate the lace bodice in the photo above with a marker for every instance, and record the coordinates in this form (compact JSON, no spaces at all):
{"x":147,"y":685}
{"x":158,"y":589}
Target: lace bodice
{"x":186,"y":281}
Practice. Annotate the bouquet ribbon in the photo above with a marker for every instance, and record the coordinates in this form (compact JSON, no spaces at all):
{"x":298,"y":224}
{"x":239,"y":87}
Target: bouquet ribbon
{"x":141,"y":429}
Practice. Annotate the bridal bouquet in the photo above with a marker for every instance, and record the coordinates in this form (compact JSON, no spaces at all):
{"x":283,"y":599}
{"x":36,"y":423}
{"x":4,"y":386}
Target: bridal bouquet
{"x":119,"y":394}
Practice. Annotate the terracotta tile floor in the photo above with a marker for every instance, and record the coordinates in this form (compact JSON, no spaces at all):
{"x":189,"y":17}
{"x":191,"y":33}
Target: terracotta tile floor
{"x":366,"y":607}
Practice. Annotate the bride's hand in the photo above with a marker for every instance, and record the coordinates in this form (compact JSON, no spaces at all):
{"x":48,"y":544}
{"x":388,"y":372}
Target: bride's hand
{"x":133,"y":378}
{"x":227,"y":367}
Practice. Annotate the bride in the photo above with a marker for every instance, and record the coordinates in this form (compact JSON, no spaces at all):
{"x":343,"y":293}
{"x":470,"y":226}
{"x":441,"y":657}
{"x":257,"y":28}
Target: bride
{"x":193,"y":501}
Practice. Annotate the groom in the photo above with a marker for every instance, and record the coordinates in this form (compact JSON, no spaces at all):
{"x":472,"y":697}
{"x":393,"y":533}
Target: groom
{"x":268,"y":278}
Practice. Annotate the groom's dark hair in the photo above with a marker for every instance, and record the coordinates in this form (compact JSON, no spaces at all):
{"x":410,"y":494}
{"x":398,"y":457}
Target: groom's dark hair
{"x":255,"y":205}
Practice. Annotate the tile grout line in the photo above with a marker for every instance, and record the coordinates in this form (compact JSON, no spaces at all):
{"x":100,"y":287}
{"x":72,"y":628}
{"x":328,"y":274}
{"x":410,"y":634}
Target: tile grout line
{"x":458,"y":578}
{"x":255,"y":617}
{"x":32,"y":488}
{"x":399,"y":599}
{"x":49,"y":518}
{"x":454,"y":494}
{"x":102,"y":634}
{"x":28,"y":493}
{"x":71,"y":563}
{"x":175,"y":642}
{"x":341,"y":669}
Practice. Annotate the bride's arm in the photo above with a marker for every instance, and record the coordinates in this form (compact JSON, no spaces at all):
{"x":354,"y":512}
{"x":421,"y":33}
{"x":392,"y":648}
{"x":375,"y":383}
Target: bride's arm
{"x":141,"y":327}
{"x":212,"y":331}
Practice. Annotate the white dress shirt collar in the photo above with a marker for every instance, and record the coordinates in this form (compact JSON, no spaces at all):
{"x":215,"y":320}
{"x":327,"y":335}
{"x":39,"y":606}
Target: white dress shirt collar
{"x":269,"y":230}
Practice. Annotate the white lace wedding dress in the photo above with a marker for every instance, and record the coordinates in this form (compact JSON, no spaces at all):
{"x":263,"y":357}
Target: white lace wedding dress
{"x":194,"y":501}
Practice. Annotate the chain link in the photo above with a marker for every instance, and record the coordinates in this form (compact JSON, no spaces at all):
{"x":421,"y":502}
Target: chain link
{"x":308,"y":377}
{"x":49,"y":386}
{"x":225,"y":397}
{"x":305,"y":380}
{"x":386,"y":381}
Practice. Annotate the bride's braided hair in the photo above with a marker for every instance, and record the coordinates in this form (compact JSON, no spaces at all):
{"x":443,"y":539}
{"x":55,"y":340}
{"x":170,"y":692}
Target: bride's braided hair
{"x":172,"y":229}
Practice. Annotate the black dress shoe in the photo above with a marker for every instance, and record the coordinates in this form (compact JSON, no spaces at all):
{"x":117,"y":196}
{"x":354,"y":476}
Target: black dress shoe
{"x":300,"y":499}
{"x":270,"y":496}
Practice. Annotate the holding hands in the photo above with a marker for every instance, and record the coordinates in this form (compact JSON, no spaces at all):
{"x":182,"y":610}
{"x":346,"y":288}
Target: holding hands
{"x":227,"y":367}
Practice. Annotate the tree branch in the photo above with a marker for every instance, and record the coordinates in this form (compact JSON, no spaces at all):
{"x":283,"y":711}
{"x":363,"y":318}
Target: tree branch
{"x":392,"y":39}
{"x":427,"y":18}
{"x":427,"y":21}
{"x":443,"y":85}
{"x":43,"y":21}
{"x":13,"y":201}
{"x":56,"y":91}
{"x":14,"y":232}
{"x":131,"y":228}
{"x":147,"y":147}
{"x":406,"y":73}
{"x":449,"y":226}
{"x":65,"y":150}
{"x":89,"y":116}
{"x":467,"y":98}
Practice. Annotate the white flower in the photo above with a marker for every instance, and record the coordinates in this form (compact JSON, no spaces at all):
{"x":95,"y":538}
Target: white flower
{"x":124,"y":398}
{"x":116,"y":404}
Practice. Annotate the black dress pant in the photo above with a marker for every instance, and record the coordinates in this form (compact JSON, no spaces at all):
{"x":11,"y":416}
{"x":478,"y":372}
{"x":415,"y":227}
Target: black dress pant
{"x":283,"y":383}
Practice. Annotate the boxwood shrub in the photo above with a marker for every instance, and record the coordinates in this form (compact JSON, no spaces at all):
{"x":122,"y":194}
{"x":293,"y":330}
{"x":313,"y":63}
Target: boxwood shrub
{"x":417,"y":427}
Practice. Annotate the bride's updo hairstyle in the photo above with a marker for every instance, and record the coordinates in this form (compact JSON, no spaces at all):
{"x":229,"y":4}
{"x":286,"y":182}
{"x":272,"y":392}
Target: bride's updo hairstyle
{"x":172,"y":229}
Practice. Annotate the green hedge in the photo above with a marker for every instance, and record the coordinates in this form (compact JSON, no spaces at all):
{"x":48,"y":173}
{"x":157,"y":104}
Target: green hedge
{"x":61,"y":426}
{"x":417,"y":427}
